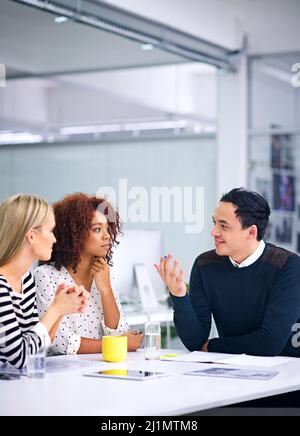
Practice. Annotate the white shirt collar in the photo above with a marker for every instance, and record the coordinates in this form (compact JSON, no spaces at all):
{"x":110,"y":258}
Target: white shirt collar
{"x":251,"y":259}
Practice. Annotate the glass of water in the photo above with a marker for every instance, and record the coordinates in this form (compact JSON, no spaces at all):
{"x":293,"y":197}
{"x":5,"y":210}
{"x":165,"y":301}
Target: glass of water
{"x":152,"y":340}
{"x":36,"y":363}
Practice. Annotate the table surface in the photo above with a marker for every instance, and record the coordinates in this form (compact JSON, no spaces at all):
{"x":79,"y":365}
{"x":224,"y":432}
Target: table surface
{"x":71,"y":393}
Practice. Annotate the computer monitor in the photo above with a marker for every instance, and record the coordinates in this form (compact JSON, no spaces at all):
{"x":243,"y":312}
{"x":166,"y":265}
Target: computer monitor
{"x":136,"y":254}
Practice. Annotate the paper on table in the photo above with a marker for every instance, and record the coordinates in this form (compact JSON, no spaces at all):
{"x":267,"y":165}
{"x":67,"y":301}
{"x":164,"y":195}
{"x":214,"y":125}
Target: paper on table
{"x":69,"y":363}
{"x":230,"y":359}
{"x":197,"y":356}
{"x":259,"y":361}
{"x":56,"y":364}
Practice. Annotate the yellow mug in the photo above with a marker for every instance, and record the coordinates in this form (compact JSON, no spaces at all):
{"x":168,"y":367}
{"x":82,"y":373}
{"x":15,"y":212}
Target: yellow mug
{"x":114,"y":348}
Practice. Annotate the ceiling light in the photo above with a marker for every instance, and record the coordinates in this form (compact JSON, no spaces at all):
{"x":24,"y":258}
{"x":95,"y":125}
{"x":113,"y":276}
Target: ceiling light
{"x":147,"y":46}
{"x":126,"y":127}
{"x":19,"y":138}
{"x":62,"y":19}
{"x":156,"y":125}
{"x":81,"y":130}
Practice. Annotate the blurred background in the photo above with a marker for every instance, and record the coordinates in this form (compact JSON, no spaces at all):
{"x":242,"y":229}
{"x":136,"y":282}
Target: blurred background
{"x":133,"y":95}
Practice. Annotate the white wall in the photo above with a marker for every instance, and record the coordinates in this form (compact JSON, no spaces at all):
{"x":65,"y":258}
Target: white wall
{"x":274,"y":100}
{"x":179,"y":89}
{"x":24,"y":101}
{"x":52,"y":171}
{"x":133,"y":94}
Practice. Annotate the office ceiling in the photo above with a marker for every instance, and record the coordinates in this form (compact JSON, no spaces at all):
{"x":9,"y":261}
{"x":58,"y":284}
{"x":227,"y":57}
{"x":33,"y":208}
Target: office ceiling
{"x":31,"y":43}
{"x":71,"y":74}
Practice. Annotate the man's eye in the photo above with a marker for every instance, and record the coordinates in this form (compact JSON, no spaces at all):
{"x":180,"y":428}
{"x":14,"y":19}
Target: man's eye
{"x":97,"y":230}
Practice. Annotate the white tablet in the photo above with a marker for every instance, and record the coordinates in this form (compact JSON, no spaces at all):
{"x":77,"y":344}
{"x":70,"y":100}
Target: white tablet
{"x":127,"y":374}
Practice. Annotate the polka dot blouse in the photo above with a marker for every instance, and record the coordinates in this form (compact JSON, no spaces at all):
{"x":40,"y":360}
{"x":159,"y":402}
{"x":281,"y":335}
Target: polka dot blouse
{"x":89,"y":324}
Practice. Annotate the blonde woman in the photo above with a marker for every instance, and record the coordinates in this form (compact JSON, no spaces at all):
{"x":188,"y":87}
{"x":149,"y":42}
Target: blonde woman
{"x":26,"y":235}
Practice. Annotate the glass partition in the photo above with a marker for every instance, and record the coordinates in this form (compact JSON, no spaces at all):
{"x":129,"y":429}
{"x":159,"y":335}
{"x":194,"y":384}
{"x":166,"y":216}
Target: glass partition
{"x":274,"y":143}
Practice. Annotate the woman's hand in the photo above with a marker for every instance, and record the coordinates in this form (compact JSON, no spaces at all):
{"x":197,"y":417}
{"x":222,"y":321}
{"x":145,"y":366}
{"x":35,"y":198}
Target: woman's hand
{"x":172,"y":275}
{"x":81,"y":292}
{"x":134,"y":339}
{"x":70,"y":299}
{"x":101,"y":273}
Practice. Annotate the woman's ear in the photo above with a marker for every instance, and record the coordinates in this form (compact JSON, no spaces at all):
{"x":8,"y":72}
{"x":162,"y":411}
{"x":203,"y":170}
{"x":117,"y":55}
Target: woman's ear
{"x":30,"y":236}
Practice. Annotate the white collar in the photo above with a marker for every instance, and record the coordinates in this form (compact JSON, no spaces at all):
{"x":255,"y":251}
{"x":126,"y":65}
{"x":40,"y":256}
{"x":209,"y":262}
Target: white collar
{"x":251,"y":259}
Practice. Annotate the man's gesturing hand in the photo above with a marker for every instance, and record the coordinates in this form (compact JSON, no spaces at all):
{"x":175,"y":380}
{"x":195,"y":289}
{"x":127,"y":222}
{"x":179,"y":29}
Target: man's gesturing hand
{"x":172,"y":275}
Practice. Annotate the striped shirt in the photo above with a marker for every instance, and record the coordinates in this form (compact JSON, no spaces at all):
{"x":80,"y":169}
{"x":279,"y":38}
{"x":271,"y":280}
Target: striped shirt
{"x":20,"y":329}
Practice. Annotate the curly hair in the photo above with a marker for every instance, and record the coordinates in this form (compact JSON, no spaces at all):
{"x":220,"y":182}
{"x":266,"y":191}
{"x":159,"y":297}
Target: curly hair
{"x":73,"y":216}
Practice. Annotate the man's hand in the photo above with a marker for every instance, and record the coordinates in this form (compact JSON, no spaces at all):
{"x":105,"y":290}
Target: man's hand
{"x":205,"y":347}
{"x":172,"y":275}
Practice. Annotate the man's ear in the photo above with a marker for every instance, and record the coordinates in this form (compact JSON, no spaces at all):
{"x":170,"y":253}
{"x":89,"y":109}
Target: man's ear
{"x":252,"y":232}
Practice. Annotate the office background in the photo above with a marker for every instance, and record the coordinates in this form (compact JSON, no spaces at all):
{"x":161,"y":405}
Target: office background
{"x":172,"y":93}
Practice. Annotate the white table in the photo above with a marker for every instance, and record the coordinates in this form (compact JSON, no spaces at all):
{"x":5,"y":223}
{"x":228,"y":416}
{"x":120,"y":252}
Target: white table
{"x":71,"y":393}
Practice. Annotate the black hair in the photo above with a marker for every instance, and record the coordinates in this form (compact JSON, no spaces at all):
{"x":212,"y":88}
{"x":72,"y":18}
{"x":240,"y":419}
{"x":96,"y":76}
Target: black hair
{"x":251,"y":209}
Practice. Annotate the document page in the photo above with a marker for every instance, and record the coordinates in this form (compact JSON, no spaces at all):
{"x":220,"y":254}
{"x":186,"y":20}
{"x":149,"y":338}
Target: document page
{"x":228,"y":359}
{"x":263,"y":362}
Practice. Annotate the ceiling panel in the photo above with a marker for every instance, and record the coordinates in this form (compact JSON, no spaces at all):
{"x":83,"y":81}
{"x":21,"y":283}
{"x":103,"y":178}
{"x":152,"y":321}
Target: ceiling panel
{"x":32,"y":43}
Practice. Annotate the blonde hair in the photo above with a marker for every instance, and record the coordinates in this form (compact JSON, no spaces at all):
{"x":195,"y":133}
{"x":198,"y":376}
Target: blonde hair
{"x":19,"y":214}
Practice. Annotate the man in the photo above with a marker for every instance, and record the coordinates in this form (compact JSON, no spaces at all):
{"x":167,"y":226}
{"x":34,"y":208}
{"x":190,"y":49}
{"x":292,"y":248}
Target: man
{"x":252,"y":288}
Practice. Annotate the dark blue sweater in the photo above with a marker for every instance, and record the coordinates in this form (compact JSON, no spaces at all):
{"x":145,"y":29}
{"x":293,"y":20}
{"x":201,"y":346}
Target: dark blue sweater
{"x":254,"y":307}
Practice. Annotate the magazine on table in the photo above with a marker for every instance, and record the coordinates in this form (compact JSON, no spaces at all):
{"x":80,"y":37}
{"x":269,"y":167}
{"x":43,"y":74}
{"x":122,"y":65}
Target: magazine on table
{"x":250,"y":374}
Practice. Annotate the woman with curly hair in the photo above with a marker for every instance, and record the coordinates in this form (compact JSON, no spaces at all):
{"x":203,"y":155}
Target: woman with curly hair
{"x":86,"y":231}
